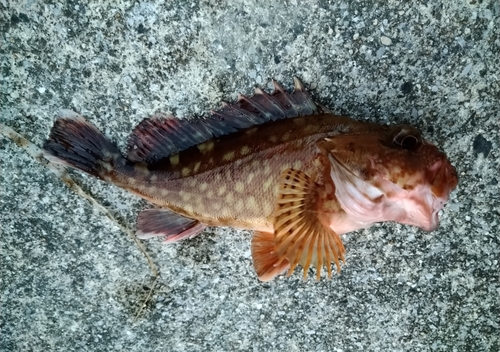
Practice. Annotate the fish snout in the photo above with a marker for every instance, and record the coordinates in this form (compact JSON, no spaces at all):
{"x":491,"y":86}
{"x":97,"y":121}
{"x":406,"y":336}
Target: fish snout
{"x":442,"y":178}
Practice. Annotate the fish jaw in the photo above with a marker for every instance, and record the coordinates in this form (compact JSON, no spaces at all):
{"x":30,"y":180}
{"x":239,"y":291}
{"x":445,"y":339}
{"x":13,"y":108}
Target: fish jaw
{"x":424,"y":202}
{"x":377,"y":181}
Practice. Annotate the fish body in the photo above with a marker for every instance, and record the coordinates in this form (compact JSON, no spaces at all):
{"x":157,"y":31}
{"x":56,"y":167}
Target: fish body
{"x":278,"y":164}
{"x":234,"y":181}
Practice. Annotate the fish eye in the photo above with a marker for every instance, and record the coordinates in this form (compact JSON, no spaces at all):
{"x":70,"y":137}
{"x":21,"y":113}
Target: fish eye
{"x":408,"y":138}
{"x":409,"y":142}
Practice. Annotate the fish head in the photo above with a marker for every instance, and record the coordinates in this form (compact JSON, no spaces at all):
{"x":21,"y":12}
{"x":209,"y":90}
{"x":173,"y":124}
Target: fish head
{"x":390,"y":174}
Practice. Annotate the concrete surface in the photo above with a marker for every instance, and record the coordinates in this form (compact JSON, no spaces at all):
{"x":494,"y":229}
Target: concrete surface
{"x":72,"y":281}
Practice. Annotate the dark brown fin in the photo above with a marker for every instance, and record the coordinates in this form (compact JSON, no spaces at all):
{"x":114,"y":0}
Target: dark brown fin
{"x":75,"y":142}
{"x":266,"y":262}
{"x":162,"y":222}
{"x":161,"y":136}
{"x":299,"y":103}
{"x":302,"y":232}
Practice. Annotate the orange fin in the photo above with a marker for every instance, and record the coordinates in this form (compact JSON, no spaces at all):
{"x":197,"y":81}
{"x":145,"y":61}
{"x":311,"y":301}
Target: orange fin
{"x":301,"y":230}
{"x":266,"y":261}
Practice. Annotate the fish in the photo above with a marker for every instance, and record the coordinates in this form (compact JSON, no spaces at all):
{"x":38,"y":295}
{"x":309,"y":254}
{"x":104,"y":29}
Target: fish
{"x":279,"y":164}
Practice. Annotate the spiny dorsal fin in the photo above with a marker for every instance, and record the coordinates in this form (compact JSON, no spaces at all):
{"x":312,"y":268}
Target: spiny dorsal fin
{"x":302,"y":236}
{"x":161,"y":136}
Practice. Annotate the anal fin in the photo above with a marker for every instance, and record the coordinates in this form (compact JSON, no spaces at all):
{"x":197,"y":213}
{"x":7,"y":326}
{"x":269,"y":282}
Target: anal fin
{"x":163,"y":222}
{"x":302,"y":231}
{"x":266,"y":261}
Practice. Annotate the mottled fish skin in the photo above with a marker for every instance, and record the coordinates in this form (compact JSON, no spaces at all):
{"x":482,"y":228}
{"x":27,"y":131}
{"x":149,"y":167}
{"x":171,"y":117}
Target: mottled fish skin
{"x":278,"y":164}
{"x":233,"y":181}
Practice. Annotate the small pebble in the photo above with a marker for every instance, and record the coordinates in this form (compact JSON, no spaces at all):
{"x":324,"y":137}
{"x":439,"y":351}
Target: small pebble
{"x":380,"y":52}
{"x":385,"y":40}
{"x":466,"y":69}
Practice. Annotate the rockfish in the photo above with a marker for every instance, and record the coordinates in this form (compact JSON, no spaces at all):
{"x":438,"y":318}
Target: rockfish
{"x":278,"y":164}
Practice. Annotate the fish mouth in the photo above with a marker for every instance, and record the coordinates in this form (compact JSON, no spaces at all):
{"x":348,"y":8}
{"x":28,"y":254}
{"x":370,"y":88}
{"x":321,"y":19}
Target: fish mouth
{"x":444,"y":180}
{"x":424,"y":215}
{"x":434,"y":223}
{"x":426,"y":200}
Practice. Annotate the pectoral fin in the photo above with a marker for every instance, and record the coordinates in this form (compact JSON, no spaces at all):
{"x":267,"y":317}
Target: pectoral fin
{"x":302,"y":233}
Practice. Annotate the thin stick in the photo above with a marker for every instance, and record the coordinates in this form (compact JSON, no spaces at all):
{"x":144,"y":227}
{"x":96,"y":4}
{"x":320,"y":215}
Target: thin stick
{"x":143,"y":305}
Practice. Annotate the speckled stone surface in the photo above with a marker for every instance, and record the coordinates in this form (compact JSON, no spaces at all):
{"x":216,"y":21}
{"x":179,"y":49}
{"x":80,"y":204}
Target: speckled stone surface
{"x":72,"y":281}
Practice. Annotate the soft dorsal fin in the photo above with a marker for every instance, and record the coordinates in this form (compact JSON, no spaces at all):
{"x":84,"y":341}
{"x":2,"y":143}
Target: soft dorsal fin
{"x":161,"y":136}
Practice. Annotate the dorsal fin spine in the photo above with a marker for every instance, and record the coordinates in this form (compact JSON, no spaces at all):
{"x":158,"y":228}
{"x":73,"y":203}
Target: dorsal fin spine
{"x":298,"y":86}
{"x":257,"y":106}
{"x":160,"y":136}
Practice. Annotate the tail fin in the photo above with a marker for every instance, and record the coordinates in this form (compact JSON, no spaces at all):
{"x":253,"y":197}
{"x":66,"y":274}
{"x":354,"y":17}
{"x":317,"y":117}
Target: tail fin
{"x":74,"y":142}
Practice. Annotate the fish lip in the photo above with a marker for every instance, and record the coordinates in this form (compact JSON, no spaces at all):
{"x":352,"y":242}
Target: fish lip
{"x":432,"y":226}
{"x":429,"y":212}
{"x":443,"y":180}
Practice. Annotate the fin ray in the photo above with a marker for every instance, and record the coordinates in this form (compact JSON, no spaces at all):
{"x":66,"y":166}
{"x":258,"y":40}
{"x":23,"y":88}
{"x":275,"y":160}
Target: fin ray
{"x":75,"y":142}
{"x":266,"y":262}
{"x":302,"y":233}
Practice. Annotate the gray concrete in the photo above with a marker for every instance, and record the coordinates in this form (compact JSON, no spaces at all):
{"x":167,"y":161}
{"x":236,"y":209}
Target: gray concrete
{"x":72,"y":281}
